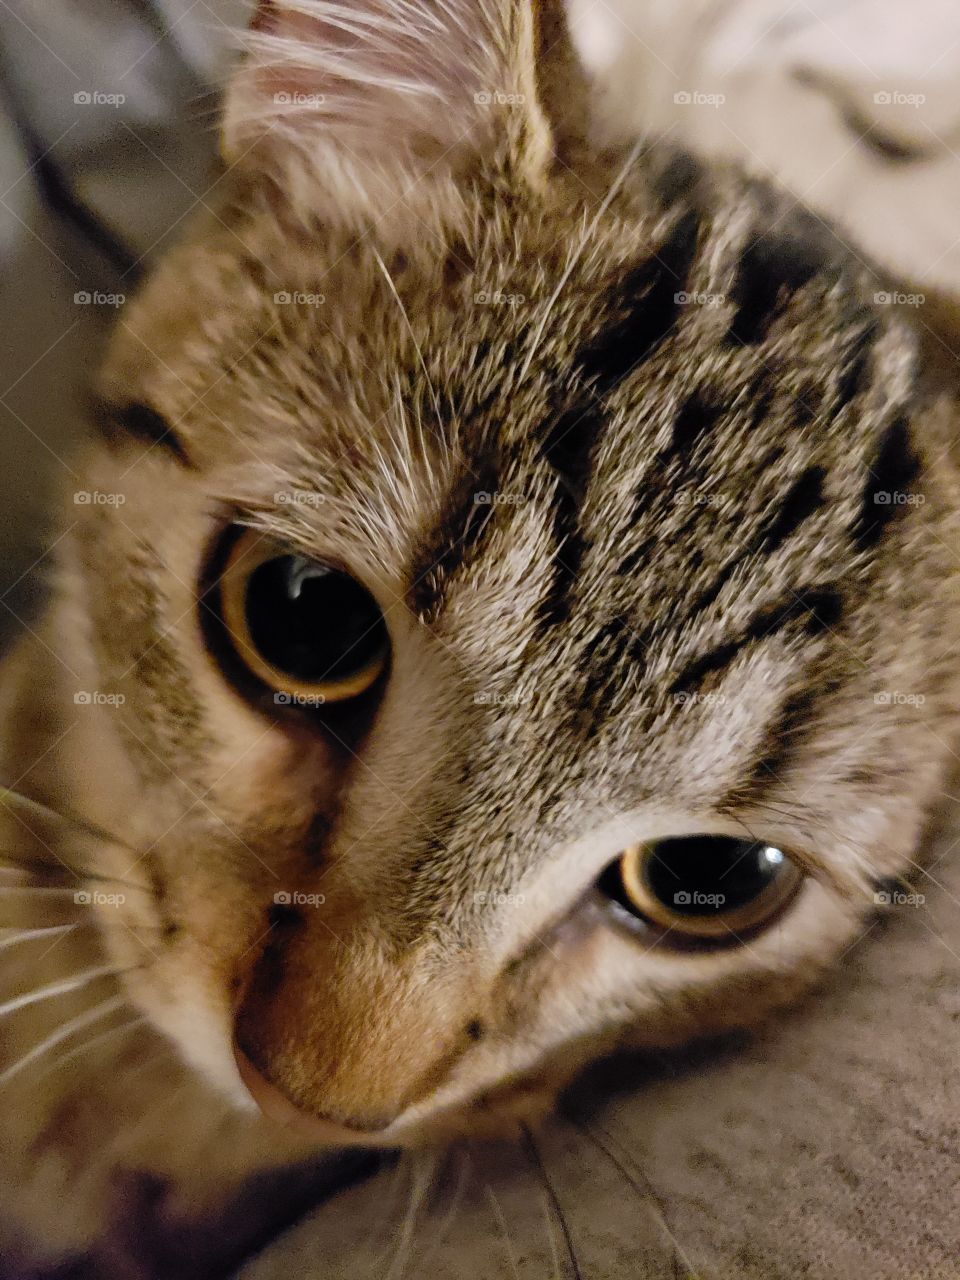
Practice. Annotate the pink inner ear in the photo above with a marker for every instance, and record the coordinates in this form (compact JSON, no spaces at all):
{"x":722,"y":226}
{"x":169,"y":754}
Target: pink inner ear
{"x":264,"y":17}
{"x":272,"y":21}
{"x":383,"y":80}
{"x":366,"y":53}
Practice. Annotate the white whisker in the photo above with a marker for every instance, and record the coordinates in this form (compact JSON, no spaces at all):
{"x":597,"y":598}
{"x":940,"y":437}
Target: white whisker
{"x":504,"y":1230}
{"x":61,"y":988}
{"x":10,"y":797}
{"x":166,"y":1054}
{"x":37,"y":888}
{"x":440,"y":1233}
{"x":413,"y":337}
{"x":418,"y":1193}
{"x":93,"y":1041}
{"x":62,"y":1033}
{"x":45,"y":931}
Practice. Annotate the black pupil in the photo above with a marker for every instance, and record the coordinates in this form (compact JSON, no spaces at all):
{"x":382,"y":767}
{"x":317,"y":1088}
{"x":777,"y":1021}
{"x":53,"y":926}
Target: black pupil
{"x":701,"y":875}
{"x":312,"y":622}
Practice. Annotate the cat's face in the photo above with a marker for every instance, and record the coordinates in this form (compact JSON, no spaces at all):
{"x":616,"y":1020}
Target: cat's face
{"x":603,"y":566}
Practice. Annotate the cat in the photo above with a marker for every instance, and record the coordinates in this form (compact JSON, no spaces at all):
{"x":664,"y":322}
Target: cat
{"x":507,"y":616}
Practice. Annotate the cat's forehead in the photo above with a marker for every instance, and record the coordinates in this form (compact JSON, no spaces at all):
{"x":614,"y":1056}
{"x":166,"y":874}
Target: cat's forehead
{"x":639,"y":445}
{"x":646,"y":383}
{"x":257,"y":297}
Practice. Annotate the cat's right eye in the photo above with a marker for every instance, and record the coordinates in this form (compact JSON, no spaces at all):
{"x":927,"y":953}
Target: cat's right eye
{"x":304,"y":628}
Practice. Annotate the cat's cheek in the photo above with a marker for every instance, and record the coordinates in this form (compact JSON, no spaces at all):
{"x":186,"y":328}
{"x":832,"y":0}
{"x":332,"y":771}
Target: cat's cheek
{"x":666,"y":995}
{"x":608,"y":988}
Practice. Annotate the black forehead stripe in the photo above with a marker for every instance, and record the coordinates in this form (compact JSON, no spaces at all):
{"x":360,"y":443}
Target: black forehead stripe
{"x":137,"y":421}
{"x":642,"y":308}
{"x":456,"y":537}
{"x":568,"y":447}
{"x":892,"y":470}
{"x":785,"y":737}
{"x":693,"y":423}
{"x":818,"y":608}
{"x":854,"y":373}
{"x":674,"y":173}
{"x":803,"y":499}
{"x":773,"y":266}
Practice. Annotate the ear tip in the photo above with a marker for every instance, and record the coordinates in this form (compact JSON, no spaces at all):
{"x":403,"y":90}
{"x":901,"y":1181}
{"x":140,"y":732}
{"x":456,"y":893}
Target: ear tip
{"x":370,"y":86}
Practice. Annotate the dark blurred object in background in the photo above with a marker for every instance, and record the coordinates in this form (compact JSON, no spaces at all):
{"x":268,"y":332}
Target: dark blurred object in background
{"x":107,"y":141}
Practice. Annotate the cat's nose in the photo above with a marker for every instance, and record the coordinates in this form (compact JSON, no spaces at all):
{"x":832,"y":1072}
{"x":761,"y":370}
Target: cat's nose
{"x":349,"y":1032}
{"x":278,"y":1107}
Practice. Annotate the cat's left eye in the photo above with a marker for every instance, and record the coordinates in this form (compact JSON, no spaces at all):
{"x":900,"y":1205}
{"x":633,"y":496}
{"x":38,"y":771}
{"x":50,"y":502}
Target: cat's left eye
{"x":305,"y":628}
{"x":703,"y":886}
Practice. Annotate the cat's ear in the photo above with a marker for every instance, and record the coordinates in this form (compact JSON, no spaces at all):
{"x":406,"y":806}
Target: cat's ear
{"x":378,"y":95}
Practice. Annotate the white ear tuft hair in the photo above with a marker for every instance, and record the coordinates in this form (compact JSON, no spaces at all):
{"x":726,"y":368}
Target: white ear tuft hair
{"x":366,"y":89}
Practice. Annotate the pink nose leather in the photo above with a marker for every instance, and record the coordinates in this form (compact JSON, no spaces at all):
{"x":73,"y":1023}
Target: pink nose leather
{"x":276,"y":1106}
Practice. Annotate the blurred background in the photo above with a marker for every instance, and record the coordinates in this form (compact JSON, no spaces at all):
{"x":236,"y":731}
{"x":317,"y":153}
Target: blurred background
{"x":107,"y":142}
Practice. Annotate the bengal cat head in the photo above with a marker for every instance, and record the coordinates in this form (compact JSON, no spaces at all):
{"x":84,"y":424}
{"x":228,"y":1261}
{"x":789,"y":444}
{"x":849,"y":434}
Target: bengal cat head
{"x":526,"y":563}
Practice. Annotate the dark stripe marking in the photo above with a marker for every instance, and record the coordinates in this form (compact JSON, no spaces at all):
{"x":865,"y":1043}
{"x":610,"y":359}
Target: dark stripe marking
{"x":568,"y":448}
{"x":772,"y":267}
{"x":853,"y":377}
{"x":456,"y":537}
{"x":611,"y":644}
{"x":694,"y":421}
{"x":894,"y":468}
{"x":819,"y":607}
{"x":785,"y":737}
{"x":802,"y":499}
{"x":674,"y":174}
{"x":138,"y":421}
{"x":642,"y":308}
{"x":642,"y":311}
